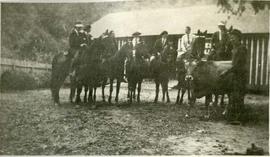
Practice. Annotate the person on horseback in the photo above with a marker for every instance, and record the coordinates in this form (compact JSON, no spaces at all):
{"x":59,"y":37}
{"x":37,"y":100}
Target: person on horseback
{"x":161,"y":43}
{"x":77,"y":41}
{"x":239,"y":75}
{"x":221,"y":48}
{"x":186,"y":41}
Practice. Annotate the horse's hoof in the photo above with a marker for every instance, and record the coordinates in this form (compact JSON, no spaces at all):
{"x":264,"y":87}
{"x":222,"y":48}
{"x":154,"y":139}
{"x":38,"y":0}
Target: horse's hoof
{"x":168,"y":101}
{"x":116,"y":99}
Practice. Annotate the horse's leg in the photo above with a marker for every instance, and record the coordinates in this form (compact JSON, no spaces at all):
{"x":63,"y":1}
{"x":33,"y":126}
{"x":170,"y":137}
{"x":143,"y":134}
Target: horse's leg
{"x":128,"y":93}
{"x":222,"y":100}
{"x":55,"y":93}
{"x":72,"y":89}
{"x":139,"y":91}
{"x":94,"y":98}
{"x":78,"y":96}
{"x":167,"y":92}
{"x":90,"y":95}
{"x":178,"y":96}
{"x":163,"y":91}
{"x":226,"y":107}
{"x":85,"y":93}
{"x":134,"y":91}
{"x":95,"y":89}
{"x":117,"y":89}
{"x":157,"y":91}
{"x":216,"y":100}
{"x":103,"y":88}
{"x":111,"y":90}
{"x":208,"y":99}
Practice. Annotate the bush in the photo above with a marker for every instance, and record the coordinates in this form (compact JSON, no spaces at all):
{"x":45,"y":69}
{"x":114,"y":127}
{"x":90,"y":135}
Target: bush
{"x":19,"y":80}
{"x":43,"y":80}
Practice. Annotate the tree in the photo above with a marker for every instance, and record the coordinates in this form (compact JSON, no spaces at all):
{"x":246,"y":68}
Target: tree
{"x":237,"y":7}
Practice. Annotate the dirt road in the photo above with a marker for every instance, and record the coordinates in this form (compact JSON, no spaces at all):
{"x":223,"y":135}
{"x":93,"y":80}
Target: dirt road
{"x":31,"y":125}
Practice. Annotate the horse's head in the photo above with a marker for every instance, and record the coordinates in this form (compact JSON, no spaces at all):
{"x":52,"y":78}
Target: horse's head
{"x":108,"y":42}
{"x":198,"y":44}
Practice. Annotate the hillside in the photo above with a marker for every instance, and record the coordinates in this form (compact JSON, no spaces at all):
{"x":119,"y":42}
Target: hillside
{"x":38,"y":31}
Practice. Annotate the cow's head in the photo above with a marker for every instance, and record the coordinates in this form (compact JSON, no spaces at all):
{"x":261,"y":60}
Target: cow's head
{"x":190,"y":66}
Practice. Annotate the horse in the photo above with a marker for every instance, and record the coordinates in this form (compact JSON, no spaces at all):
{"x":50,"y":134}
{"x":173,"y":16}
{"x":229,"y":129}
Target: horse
{"x":113,"y":66}
{"x":137,"y":68}
{"x":61,"y":65}
{"x":161,"y":69}
{"x":91,"y":72}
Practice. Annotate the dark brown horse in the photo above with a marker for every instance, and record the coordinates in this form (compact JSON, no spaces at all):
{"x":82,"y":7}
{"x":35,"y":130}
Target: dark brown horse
{"x":114,"y":69}
{"x":61,"y":65}
{"x":137,"y":68}
{"x":161,"y":69}
{"x":91,"y":72}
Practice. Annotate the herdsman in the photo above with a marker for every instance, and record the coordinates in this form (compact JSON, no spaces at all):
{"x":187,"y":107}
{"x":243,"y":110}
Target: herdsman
{"x":239,"y":75}
{"x":220,"y":44}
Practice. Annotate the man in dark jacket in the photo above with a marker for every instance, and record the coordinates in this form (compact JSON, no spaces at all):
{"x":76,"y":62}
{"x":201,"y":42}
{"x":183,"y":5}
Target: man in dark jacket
{"x":220,"y":44}
{"x":239,"y":74}
{"x":161,"y":43}
{"x":75,"y":38}
{"x":76,"y":43}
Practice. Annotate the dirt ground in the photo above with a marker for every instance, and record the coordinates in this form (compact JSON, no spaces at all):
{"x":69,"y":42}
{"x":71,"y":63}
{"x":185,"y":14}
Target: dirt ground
{"x":31,"y":125}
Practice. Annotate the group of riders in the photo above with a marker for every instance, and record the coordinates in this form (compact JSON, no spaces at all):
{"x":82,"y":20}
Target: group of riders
{"x":226,"y":46}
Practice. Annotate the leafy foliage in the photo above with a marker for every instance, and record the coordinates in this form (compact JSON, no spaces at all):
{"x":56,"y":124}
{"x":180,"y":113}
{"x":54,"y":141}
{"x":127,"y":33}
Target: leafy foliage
{"x":237,"y":7}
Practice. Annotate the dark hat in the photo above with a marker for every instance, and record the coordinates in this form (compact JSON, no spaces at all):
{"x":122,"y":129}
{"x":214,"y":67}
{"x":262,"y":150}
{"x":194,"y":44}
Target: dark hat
{"x":164,"y":32}
{"x":136,"y":34}
{"x":236,"y":32}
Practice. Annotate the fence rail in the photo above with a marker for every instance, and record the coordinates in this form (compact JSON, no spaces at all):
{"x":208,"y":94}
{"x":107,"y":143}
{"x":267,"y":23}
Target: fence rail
{"x":26,"y":66}
{"x":258,"y":55}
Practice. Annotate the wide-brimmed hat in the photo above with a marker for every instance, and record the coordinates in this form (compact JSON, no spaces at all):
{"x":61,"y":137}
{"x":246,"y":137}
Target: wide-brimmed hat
{"x":221,"y":23}
{"x":164,"y":32}
{"x":78,"y":24}
{"x":136,"y":34}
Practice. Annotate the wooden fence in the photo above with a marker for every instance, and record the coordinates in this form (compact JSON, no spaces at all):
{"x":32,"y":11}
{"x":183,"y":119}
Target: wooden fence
{"x":26,"y":66}
{"x":258,"y":55}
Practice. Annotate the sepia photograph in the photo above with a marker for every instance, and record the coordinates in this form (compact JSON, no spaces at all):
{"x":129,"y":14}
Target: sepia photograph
{"x":134,"y":77}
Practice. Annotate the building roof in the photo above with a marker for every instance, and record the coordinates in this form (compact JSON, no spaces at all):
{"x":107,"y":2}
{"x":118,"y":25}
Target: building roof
{"x":152,"y":22}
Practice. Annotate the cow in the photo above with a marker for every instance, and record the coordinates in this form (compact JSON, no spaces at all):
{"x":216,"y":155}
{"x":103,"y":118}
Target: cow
{"x":204,"y":79}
